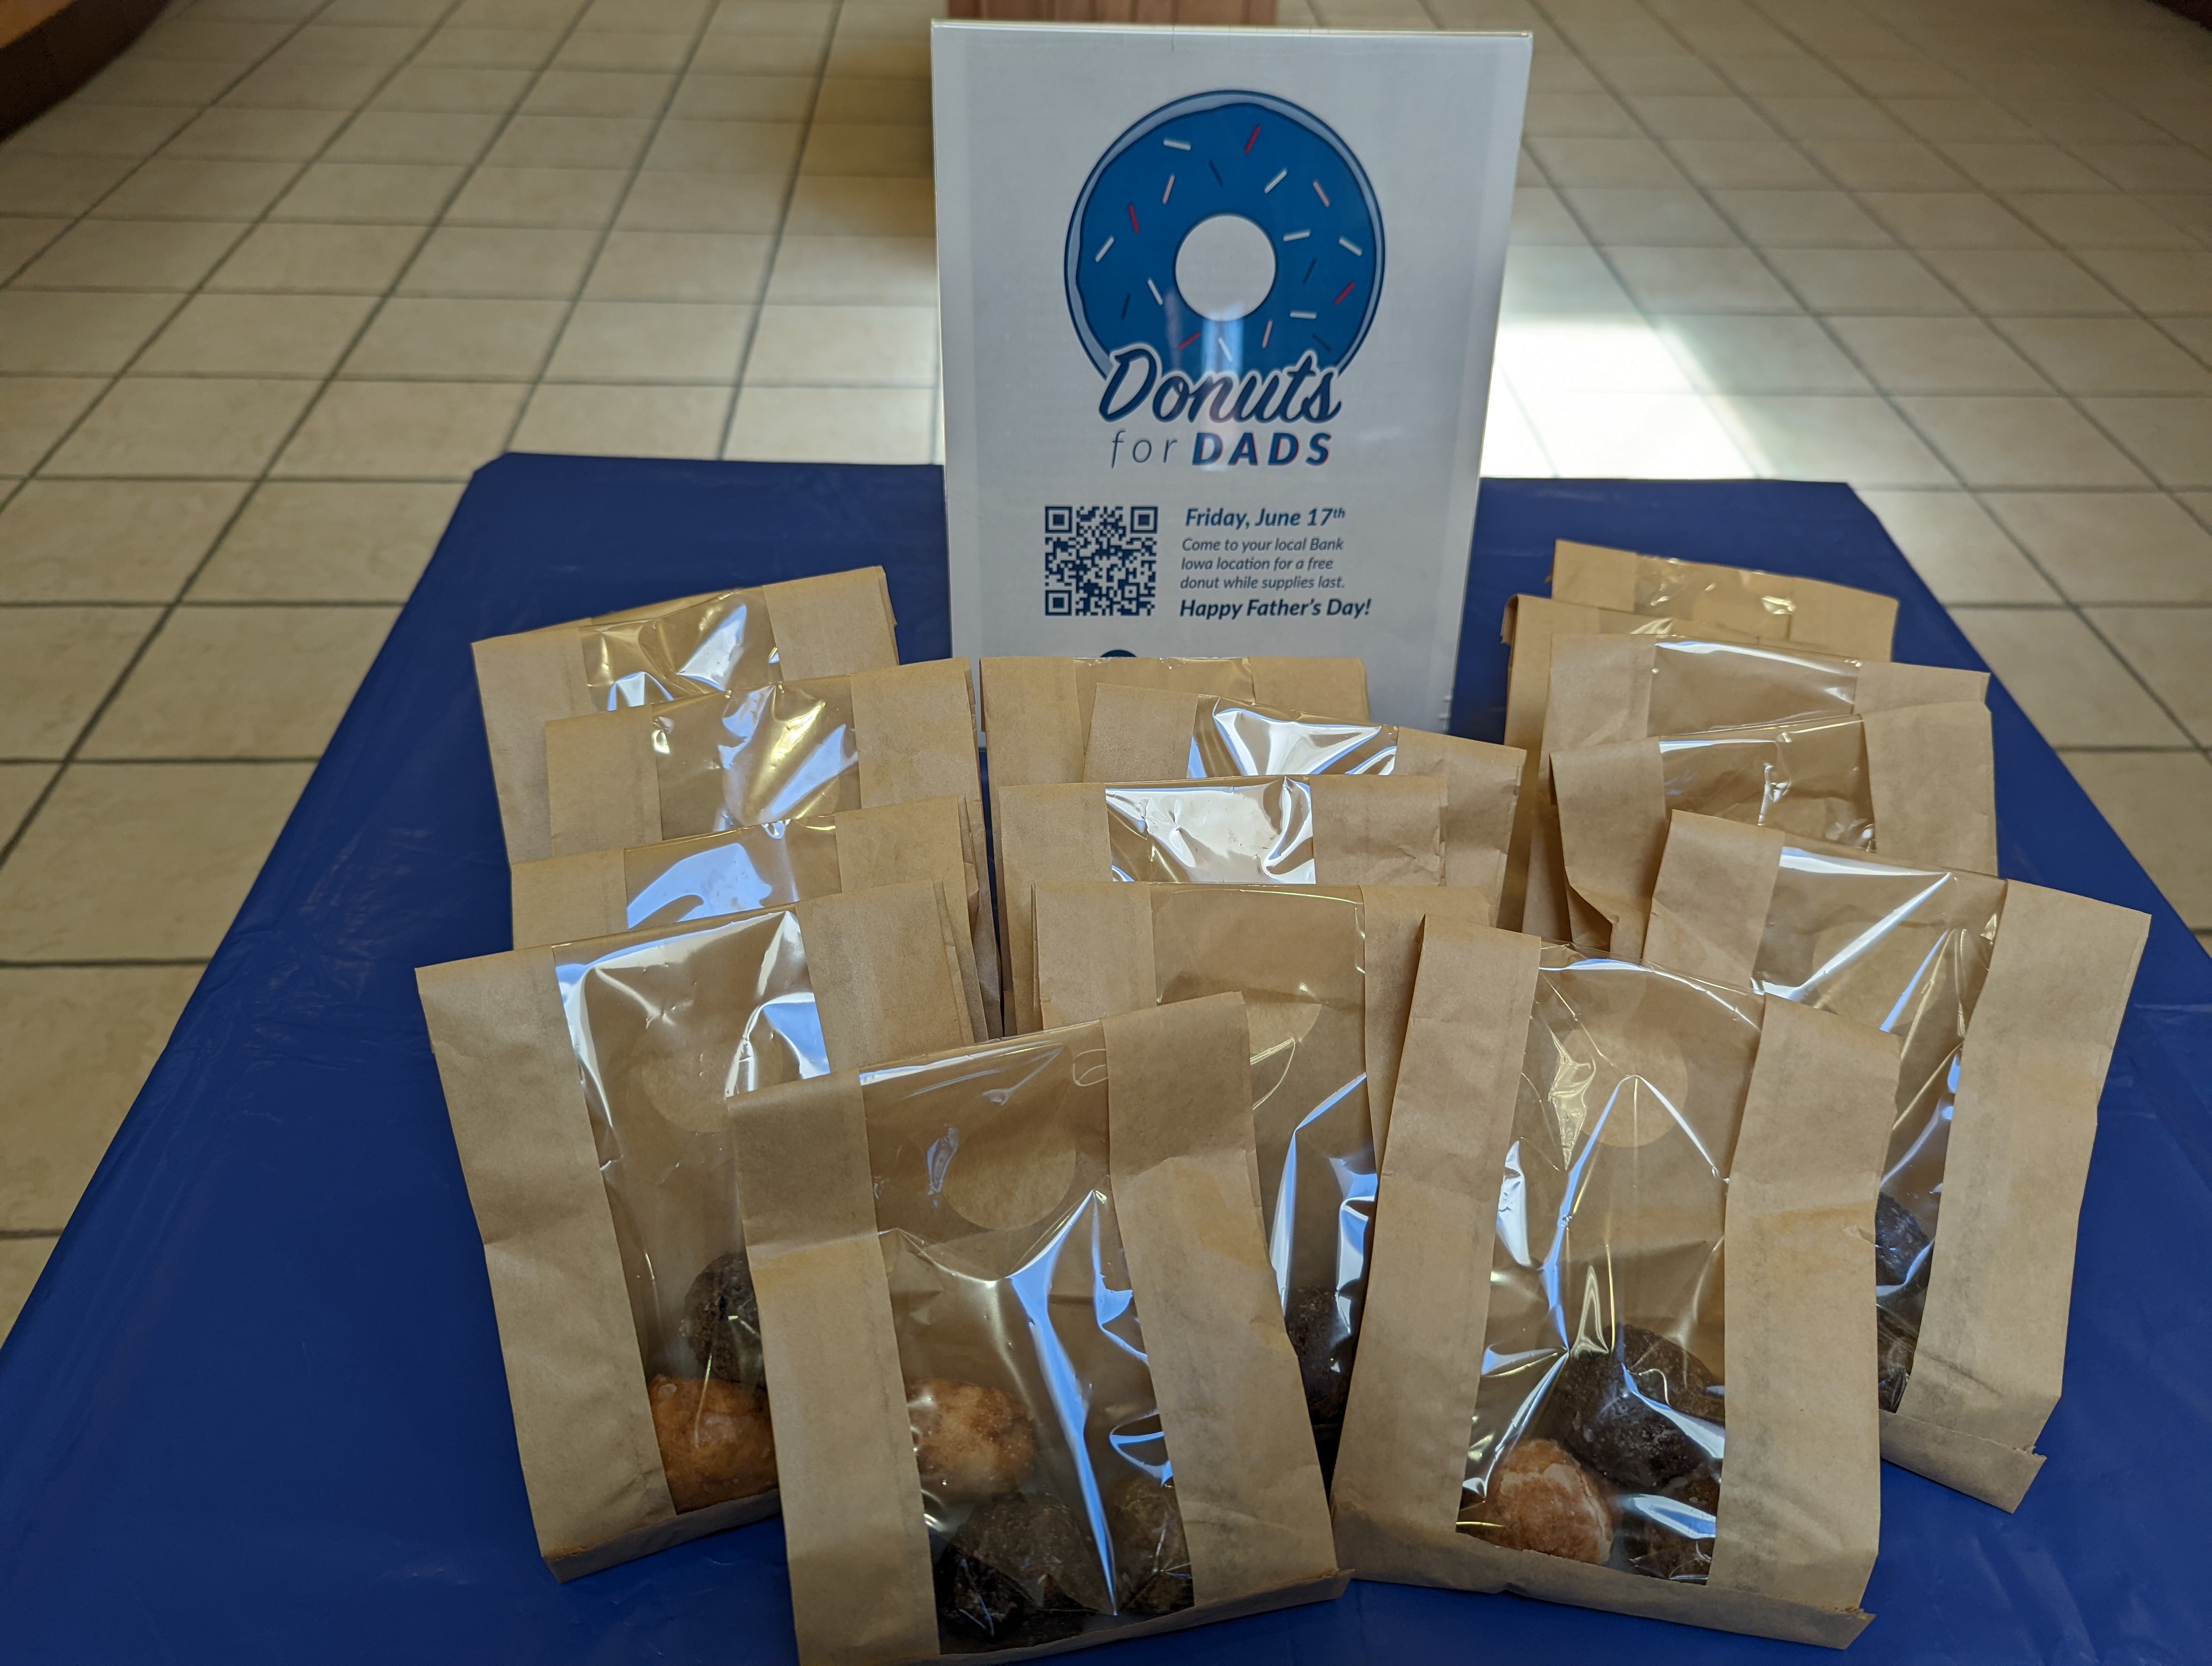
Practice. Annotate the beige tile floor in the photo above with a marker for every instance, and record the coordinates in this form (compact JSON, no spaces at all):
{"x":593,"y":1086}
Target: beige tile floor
{"x":281,"y":277}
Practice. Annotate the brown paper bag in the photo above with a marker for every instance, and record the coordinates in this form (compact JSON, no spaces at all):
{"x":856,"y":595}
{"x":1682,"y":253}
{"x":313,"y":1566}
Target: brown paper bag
{"x":1773,"y":607}
{"x":1021,"y":1293}
{"x":733,"y":639}
{"x":1273,"y":829}
{"x":1535,"y":899}
{"x":616,"y":780}
{"x":1918,"y":783}
{"x":562,"y":898}
{"x":1607,"y":689}
{"x":2007,"y":999}
{"x":577,"y":1076}
{"x":1158,"y":734}
{"x":1565,"y":1390}
{"x":1326,"y":977}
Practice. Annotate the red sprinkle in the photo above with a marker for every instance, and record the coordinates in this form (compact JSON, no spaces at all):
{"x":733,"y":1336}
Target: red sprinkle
{"x":1189,"y":339}
{"x":1348,"y":288}
{"x":1134,"y":226}
{"x":1254,"y":140}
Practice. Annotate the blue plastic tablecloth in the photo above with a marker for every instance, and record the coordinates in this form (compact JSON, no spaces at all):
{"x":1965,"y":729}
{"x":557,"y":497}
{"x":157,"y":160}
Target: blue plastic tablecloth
{"x":255,"y":1410}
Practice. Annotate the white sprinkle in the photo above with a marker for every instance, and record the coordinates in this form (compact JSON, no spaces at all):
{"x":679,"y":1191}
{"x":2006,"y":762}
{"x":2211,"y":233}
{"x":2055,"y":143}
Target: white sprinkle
{"x":1267,"y":332}
{"x":1169,"y":190}
{"x":1293,"y":236}
{"x":1155,"y":288}
{"x":1273,"y":182}
{"x":1175,"y":144}
{"x":1103,"y":247}
{"x":1319,"y":192}
{"x":1347,"y":242}
{"x":1296,"y":314}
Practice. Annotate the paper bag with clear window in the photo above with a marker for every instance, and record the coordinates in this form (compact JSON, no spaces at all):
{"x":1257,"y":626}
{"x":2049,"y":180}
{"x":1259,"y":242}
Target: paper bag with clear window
{"x":1611,"y":689}
{"x":1018,"y":1295}
{"x":586,"y":1083}
{"x":730,"y":639}
{"x":2006,"y":999}
{"x":1326,"y":977}
{"x":1617,"y":1349}
{"x":712,"y":763}
{"x":1915,"y":783}
{"x":1769,"y":607}
{"x":677,"y":881}
{"x":1273,"y":829}
{"x":1158,"y":734}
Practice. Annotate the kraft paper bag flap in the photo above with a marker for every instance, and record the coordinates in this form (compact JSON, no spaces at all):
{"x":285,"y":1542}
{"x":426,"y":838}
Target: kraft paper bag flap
{"x":1149,"y":734}
{"x":871,"y":955}
{"x":1187,"y":1193}
{"x":1045,"y":833}
{"x":1403,"y":1459}
{"x":582,"y":1421}
{"x":1532,"y":624}
{"x":1985,"y":1469}
{"x":833,"y":625}
{"x":1141,"y":733}
{"x":916,"y":726}
{"x":1771,"y":606}
{"x":1378,"y":830}
{"x":1392,"y":918}
{"x":1801,"y":1500}
{"x":1932,"y":777}
{"x":1993,"y":1334}
{"x":602,"y":789}
{"x":525,"y":682}
{"x":1613,"y":827}
{"x":817,"y":626}
{"x":1600,"y":691}
{"x":853,"y":1523}
{"x":895,"y":843}
{"x":1884,"y":684}
{"x":558,"y":899}
{"x":1113,"y":971}
{"x":1331,"y":687}
{"x":1710,"y":905}
{"x":1482,"y":789}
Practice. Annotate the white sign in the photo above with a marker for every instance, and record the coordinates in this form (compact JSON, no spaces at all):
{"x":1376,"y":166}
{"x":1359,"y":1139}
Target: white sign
{"x":1218,"y":312}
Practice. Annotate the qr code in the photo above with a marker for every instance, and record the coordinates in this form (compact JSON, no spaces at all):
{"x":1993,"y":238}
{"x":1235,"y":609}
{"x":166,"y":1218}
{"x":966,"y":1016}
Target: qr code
{"x":1100,"y":560}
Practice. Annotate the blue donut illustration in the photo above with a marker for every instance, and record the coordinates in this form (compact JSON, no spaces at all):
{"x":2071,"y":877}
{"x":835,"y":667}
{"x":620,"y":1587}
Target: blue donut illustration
{"x":1227,"y":232}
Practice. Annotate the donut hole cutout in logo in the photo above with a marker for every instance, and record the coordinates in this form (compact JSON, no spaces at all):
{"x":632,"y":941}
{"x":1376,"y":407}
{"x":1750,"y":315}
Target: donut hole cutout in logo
{"x":1224,"y":264}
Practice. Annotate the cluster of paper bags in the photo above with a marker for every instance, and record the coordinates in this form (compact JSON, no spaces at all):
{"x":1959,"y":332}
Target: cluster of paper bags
{"x":1270,"y":1144}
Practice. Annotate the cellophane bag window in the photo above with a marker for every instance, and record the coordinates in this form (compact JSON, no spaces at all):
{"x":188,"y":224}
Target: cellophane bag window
{"x":665,"y":1028}
{"x":1046,"y":1478}
{"x":1600,"y":1424}
{"x":1904,"y":950}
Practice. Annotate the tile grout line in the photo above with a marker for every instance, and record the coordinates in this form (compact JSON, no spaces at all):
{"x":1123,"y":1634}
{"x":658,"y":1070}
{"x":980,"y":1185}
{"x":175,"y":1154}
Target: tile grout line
{"x":659,"y":119}
{"x":46,"y":792}
{"x":782,"y":223}
{"x":1759,"y":252}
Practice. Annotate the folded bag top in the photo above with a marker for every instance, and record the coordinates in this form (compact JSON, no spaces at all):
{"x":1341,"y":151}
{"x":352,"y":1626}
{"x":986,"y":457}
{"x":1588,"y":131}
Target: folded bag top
{"x":1273,"y":829}
{"x":677,"y":881}
{"x":1155,"y":734}
{"x":1021,"y":1293}
{"x":1778,"y":607}
{"x":2006,"y":999}
{"x":586,"y":1083}
{"x":1917,"y":782}
{"x":729,"y":639}
{"x":1037,"y":710}
{"x":1618,"y":1350}
{"x":1606,"y":688}
{"x":1326,"y":977}
{"x":712,"y":763}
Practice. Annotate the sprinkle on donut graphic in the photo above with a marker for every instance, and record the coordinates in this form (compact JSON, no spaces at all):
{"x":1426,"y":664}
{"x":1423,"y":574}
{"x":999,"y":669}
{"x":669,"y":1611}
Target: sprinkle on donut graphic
{"x":1227,"y":232}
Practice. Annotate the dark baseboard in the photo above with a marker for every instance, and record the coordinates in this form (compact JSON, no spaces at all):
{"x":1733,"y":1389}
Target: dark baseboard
{"x":43,"y":66}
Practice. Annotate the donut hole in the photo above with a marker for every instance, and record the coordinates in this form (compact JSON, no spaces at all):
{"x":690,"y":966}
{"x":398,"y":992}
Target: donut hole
{"x":1226,"y":267}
